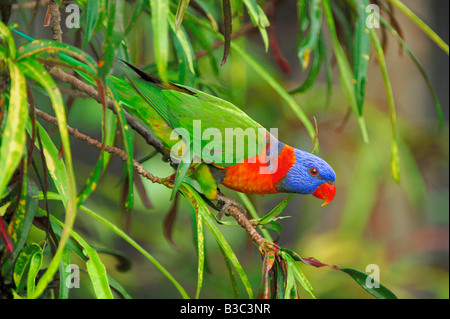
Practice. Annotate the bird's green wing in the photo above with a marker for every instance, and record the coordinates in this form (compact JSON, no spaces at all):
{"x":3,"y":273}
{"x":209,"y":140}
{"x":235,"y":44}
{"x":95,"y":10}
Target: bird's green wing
{"x":220,"y":132}
{"x":223,"y":134}
{"x":140,"y":108}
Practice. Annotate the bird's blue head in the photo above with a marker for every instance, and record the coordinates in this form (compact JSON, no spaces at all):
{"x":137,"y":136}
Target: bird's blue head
{"x":309,"y":175}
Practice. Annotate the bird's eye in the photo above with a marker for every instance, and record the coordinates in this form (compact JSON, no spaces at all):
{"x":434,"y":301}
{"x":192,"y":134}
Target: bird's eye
{"x":313,"y":171}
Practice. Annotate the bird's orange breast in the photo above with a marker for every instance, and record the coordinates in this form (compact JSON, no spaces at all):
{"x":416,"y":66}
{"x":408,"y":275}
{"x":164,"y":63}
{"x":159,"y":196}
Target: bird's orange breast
{"x":252,"y":176}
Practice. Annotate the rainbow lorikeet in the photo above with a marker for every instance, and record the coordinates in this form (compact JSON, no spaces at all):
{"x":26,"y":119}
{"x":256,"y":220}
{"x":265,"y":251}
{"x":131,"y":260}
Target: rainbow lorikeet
{"x":270,"y":167}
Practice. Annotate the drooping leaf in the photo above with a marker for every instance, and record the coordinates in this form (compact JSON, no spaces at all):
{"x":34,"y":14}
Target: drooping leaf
{"x":33,"y":69}
{"x":35,"y":265}
{"x":13,"y":136}
{"x":56,"y":167}
{"x":44,"y":46}
{"x":95,"y":267}
{"x":108,"y":139}
{"x":268,"y":263}
{"x":127,"y":140}
{"x":259,"y":19}
{"x":425,"y":28}
{"x":20,"y":225}
{"x":310,"y":42}
{"x":421,"y":69}
{"x":202,"y":209}
{"x":182,"y":6}
{"x":92,"y":13}
{"x":160,"y":27}
{"x":361,"y":54}
{"x":200,"y":253}
{"x":183,"y":167}
{"x":395,"y":159}
{"x":375,"y":288}
{"x":346,"y":76}
{"x":276,"y":211}
{"x":297,"y":273}
{"x":22,"y":265}
{"x":113,"y":36}
{"x":228,"y":23}
{"x":182,"y":38}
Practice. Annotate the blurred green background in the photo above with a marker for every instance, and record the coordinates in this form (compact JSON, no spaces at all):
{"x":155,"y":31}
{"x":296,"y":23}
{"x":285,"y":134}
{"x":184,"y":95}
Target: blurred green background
{"x":401,"y":228}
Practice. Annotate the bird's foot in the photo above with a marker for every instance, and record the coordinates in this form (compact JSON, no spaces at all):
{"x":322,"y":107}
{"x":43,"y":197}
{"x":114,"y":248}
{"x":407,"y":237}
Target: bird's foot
{"x":224,"y":204}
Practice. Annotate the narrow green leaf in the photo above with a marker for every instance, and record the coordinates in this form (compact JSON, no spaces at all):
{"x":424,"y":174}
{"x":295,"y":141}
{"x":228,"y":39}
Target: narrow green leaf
{"x":63,"y":274}
{"x":425,"y":28}
{"x":279,"y":89}
{"x":92,"y":13}
{"x":133,"y":243}
{"x":422,"y":71}
{"x":276,"y":211}
{"x":227,"y":29}
{"x":375,"y":288}
{"x":182,"y":38}
{"x":297,"y":273}
{"x":13,"y":137}
{"x":102,"y":162}
{"x":202,"y":209}
{"x":22,"y":265}
{"x":35,"y":265}
{"x":6,"y":37}
{"x":55,"y":167}
{"x":113,"y":36}
{"x":95,"y":267}
{"x":37,"y":47}
{"x":36,"y":71}
{"x":122,"y":234}
{"x":183,"y":168}
{"x":201,"y":254}
{"x":127,"y":140}
{"x":310,"y":42}
{"x":160,"y":27}
{"x":395,"y":159}
{"x":182,"y":6}
{"x":266,"y":76}
{"x":315,"y":68}
{"x":21,"y":223}
{"x":361,"y":54}
{"x":346,"y":76}
{"x":259,"y":19}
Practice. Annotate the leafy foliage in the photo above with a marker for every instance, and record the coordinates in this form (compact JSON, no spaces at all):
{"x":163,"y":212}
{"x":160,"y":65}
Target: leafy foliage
{"x":116,"y":28}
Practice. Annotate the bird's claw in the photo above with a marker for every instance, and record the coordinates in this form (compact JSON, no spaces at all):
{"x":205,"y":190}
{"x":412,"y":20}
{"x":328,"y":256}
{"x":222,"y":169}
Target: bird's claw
{"x":224,"y":204}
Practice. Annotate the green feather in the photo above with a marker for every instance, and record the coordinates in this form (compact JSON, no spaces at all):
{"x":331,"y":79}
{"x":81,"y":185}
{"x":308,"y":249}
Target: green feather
{"x":180,"y":106}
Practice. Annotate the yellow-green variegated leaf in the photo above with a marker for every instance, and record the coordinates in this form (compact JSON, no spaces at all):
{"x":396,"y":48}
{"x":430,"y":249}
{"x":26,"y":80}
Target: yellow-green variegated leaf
{"x":13,"y":137}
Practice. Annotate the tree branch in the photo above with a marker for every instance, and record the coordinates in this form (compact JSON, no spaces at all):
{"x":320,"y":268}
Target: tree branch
{"x":233,"y":210}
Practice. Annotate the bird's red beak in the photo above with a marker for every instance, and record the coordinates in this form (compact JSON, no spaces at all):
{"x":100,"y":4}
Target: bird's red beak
{"x":325,"y":191}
